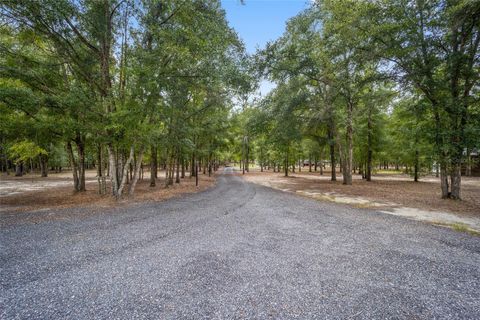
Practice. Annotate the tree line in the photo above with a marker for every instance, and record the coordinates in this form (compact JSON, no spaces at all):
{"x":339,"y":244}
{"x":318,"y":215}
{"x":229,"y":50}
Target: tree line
{"x":360,"y":83}
{"x":114,"y":84}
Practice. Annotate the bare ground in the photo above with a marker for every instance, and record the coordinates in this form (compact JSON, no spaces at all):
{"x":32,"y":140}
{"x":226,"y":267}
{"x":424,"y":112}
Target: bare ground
{"x":27,"y":193}
{"x":392,"y":190}
{"x":395,"y":194}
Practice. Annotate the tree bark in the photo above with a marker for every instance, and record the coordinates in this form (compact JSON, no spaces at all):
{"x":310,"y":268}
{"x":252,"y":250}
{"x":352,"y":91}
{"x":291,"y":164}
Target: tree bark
{"x":444,"y":180}
{"x":124,"y":173}
{"x":80,"y":142}
{"x":153,"y":166}
{"x":73,"y":164}
{"x":456,"y":179}
{"x":112,"y":165}
{"x":286,"y":163}
{"x":183,"y":168}
{"x":99,"y":160}
{"x":332,"y":162}
{"x":368,"y":175}
{"x":347,"y":161}
{"x":192,"y":166}
{"x":102,"y":185}
{"x":44,"y":165}
{"x":18,"y":169}
{"x":196,"y":173}
{"x":209,"y":165}
{"x":415,"y":169}
{"x":136,"y":174}
{"x":177,"y":167}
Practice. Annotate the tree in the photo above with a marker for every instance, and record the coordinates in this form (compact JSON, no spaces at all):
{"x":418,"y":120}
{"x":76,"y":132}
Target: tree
{"x":25,"y":151}
{"x":433,"y":46}
{"x":120,"y":77}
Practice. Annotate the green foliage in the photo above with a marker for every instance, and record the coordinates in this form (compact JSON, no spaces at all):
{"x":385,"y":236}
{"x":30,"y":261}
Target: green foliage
{"x":368,"y":81}
{"x":25,"y":150}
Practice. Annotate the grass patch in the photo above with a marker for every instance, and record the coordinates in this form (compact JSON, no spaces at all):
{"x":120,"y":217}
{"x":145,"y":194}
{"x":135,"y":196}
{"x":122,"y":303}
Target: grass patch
{"x":459,"y":227}
{"x":464,"y":228}
{"x":388,"y":172}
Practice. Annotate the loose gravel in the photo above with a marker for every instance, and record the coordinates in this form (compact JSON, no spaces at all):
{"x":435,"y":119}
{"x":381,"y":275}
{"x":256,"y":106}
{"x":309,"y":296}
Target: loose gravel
{"x":237,"y":251}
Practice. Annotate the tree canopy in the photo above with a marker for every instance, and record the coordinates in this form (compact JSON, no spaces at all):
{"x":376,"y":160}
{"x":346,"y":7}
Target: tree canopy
{"x":115,"y":84}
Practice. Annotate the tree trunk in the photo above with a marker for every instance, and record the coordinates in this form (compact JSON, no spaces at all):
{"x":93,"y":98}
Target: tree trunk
{"x":415,"y":169}
{"x":153,"y":166}
{"x":73,"y":164}
{"x":130,"y":170}
{"x":456,"y":179}
{"x":183,"y":168}
{"x":99,"y":160}
{"x":44,"y":165}
{"x":19,"y":169}
{"x":177,"y":167}
{"x":112,"y":165}
{"x":192,"y":166}
{"x":102,"y":184}
{"x":333,"y":165}
{"x":196,"y":173}
{"x":169,"y":170}
{"x":248,"y":158}
{"x":210,"y":166}
{"x":286,"y":164}
{"x":136,"y":174}
{"x":81,"y":162}
{"x":444,"y":180}
{"x":124,"y":173}
{"x":347,"y":161}
{"x":331,"y":141}
{"x":368,"y":175}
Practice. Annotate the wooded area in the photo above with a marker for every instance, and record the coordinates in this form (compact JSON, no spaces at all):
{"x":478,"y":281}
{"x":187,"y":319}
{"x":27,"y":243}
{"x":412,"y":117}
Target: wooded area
{"x":115,"y":84}
{"x":118,"y":85}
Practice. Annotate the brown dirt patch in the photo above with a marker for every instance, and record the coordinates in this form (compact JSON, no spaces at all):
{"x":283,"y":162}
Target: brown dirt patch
{"x":395,"y":190}
{"x":55,"y":192}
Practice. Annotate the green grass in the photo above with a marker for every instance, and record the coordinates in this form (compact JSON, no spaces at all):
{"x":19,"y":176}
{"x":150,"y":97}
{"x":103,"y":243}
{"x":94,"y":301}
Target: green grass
{"x":388,"y":172}
{"x":459,"y":227}
{"x":463,"y":228}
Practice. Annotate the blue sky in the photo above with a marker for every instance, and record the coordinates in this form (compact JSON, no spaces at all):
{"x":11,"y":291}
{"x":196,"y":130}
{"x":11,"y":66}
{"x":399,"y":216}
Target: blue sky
{"x":260,"y":21}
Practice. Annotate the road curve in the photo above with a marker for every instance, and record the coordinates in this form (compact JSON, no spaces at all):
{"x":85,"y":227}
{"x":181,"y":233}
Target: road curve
{"x":237,"y":251}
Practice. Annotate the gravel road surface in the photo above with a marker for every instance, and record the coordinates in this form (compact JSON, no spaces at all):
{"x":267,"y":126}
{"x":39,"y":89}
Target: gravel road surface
{"x":237,"y":251}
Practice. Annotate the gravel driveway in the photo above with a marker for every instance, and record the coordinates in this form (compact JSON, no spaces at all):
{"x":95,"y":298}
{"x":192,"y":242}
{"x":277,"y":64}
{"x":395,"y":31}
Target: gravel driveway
{"x":237,"y":251}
